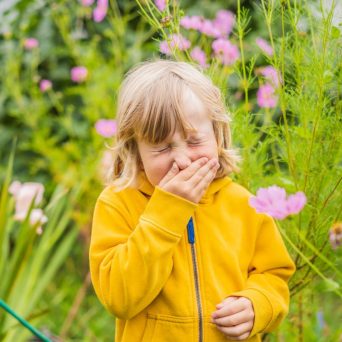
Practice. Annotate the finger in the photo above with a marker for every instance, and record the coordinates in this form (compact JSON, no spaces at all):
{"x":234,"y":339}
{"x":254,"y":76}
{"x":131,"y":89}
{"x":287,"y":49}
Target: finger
{"x":172,"y":172}
{"x":226,"y":300}
{"x":204,"y":176}
{"x":238,"y":331}
{"x":231,"y":308}
{"x":191,"y":170}
{"x":235,"y":319}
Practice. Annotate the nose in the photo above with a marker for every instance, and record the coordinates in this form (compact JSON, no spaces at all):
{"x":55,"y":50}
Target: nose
{"x":182,"y":158}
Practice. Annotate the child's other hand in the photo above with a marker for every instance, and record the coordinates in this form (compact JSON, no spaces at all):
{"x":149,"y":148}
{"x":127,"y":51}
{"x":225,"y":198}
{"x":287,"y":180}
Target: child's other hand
{"x":192,"y":182}
{"x":234,"y":317}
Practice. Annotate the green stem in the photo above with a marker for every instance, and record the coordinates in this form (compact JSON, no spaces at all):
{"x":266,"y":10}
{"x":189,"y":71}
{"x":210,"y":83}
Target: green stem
{"x":313,"y":267}
{"x":26,"y":324}
{"x":241,"y":34}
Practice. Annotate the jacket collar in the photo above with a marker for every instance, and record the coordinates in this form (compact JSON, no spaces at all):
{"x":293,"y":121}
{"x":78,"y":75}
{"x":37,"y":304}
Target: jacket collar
{"x":147,"y":188}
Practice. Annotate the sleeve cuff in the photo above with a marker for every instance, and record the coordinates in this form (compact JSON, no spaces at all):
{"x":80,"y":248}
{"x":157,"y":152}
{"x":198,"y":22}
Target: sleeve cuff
{"x":263,"y":311}
{"x":169,"y":211}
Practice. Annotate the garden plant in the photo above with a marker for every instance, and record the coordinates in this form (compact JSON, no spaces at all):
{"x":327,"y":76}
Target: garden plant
{"x":278,"y":63}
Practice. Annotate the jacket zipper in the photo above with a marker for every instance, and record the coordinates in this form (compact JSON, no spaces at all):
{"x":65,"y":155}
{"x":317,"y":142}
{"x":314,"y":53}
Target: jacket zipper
{"x":191,"y":240}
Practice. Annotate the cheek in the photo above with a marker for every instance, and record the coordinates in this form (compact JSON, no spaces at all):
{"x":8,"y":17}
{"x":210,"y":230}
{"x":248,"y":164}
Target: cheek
{"x":156,"y":168}
{"x":209,"y":151}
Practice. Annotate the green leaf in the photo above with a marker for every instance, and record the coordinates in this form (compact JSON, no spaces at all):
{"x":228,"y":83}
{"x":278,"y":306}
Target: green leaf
{"x":335,"y":32}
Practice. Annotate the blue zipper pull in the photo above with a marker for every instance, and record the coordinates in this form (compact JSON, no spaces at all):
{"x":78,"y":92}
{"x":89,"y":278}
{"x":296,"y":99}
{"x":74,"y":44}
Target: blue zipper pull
{"x":191,"y":231}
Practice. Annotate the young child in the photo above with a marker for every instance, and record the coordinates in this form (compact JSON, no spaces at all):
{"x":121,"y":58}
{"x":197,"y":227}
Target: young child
{"x":177,"y":254}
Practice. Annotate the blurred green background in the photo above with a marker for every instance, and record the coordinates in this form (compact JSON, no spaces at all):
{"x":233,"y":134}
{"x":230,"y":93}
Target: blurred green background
{"x":49,"y":131}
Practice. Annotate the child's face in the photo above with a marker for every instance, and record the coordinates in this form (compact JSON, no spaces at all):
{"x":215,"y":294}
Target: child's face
{"x":157,"y":159}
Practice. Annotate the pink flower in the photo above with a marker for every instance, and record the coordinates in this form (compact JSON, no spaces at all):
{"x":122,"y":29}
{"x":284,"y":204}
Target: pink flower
{"x":24,"y":194}
{"x":227,"y":52}
{"x":266,"y":96}
{"x":45,"y":85}
{"x":296,"y":202}
{"x":273,"y":201}
{"x":271,"y":74}
{"x":194,"y":22}
{"x":106,"y":128}
{"x":31,"y":43}
{"x":38,"y":218}
{"x":209,"y":29}
{"x":177,"y":41}
{"x":224,"y":22}
{"x":100,"y":11}
{"x":199,"y":56}
{"x":164,"y":48}
{"x":79,"y":74}
{"x":264,"y":46}
{"x":87,"y":3}
{"x":161,"y":4}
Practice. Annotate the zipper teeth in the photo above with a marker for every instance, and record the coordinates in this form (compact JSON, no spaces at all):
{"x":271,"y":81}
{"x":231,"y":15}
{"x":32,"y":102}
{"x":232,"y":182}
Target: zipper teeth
{"x":198,"y":296}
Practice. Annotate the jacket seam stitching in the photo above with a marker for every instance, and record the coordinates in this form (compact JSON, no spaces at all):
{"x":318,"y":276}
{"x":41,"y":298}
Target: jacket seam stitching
{"x":159,"y":226}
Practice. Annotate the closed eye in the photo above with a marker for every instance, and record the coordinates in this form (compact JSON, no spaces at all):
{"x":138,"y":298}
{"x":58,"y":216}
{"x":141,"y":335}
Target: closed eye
{"x":194,"y":142}
{"x":163,"y":149}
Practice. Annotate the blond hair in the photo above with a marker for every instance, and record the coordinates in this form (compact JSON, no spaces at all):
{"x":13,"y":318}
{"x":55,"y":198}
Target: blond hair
{"x":150,"y":108}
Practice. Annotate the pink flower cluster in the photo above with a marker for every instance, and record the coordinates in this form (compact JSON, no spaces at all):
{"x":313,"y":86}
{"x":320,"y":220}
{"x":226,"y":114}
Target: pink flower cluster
{"x":226,"y":52}
{"x":267,"y":93}
{"x":100,"y":11}
{"x":175,"y":41}
{"x":219,"y":29}
{"x":274,"y":202}
{"x":106,"y":128}
{"x":24,"y":194}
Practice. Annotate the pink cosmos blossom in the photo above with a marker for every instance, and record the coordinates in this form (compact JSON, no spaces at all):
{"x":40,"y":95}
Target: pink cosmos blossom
{"x":87,"y":3}
{"x":45,"y":85}
{"x":79,"y":74}
{"x":161,"y":4}
{"x":199,"y":56}
{"x":31,"y":43}
{"x":194,"y":22}
{"x":224,"y":22}
{"x":100,"y":11}
{"x":106,"y":128}
{"x":266,"y":96}
{"x":164,"y":48}
{"x":227,"y":52}
{"x":209,"y":29}
{"x":24,"y":194}
{"x":271,"y":74}
{"x":273,"y":201}
{"x":177,"y":41}
{"x":264,"y":46}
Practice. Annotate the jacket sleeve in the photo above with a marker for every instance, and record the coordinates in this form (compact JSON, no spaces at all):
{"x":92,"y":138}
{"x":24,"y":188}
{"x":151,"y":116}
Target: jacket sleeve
{"x":270,"y":269}
{"x":130,"y":265}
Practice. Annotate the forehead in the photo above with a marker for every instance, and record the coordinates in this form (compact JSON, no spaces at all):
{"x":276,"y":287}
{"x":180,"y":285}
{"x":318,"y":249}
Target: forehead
{"x":195,"y":112}
{"x":182,"y":112}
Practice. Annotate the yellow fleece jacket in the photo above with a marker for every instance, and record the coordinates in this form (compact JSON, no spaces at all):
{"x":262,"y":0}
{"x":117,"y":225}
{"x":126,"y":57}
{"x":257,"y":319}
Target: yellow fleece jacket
{"x":160,"y":263}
